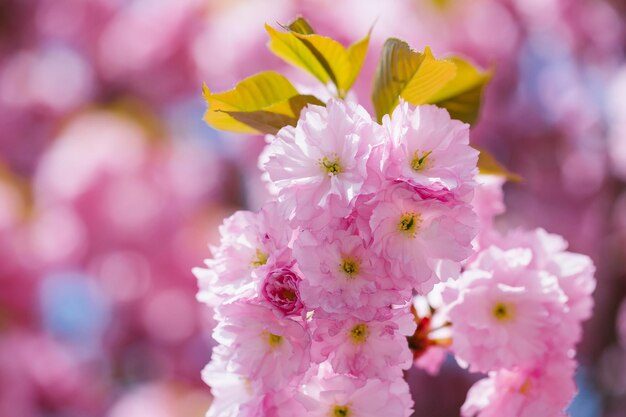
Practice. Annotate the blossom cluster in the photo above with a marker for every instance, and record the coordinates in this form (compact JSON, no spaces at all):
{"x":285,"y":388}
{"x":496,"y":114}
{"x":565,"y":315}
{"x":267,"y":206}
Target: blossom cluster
{"x":314,"y":294}
{"x":516,"y":314}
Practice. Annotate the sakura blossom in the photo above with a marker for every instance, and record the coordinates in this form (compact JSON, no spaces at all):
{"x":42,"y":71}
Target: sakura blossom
{"x":344,"y":276}
{"x":269,"y":351}
{"x":281,"y":287}
{"x":427,"y":148}
{"x":505,"y":314}
{"x":378,"y":250}
{"x":340,"y":396}
{"x":544,"y":390}
{"x":322,"y":159}
{"x":364,"y":349}
{"x":418,"y":235}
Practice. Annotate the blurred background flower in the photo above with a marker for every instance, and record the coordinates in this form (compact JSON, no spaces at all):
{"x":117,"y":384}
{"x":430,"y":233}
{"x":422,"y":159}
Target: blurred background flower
{"x":111,"y":185}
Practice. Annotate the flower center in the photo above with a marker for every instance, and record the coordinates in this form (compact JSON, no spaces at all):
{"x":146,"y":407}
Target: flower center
{"x":442,"y":4}
{"x":409,"y":223}
{"x":287,"y":294}
{"x":260,"y":258}
{"x":359,"y":333}
{"x":503,"y":311}
{"x":350,"y":267}
{"x":340,"y":411}
{"x":274,"y":340}
{"x":420,"y":160}
{"x":526,"y":386}
{"x":331,"y":166}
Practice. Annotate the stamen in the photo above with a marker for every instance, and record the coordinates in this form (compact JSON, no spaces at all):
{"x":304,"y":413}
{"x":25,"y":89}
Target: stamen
{"x":341,"y":411}
{"x":331,"y":166}
{"x":409,"y":223}
{"x":359,"y":333}
{"x":503,"y":311}
{"x":260,"y":258}
{"x":420,"y":161}
{"x":274,"y":340}
{"x":350,"y":267}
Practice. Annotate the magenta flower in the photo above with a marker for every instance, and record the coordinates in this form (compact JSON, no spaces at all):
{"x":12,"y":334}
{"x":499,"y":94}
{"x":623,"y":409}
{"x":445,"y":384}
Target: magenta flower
{"x":281,"y":288}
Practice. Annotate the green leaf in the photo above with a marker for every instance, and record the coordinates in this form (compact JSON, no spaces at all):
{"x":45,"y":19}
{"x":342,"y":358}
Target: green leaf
{"x":262,"y":103}
{"x":323,"y":57}
{"x":462,"y":96}
{"x":411,"y":75}
{"x":488,"y":164}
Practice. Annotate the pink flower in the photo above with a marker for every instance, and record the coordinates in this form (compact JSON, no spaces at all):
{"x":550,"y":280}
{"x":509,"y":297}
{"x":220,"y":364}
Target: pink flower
{"x":322,"y":159}
{"x":427,"y":148}
{"x":541,"y":391}
{"x":343,"y":276}
{"x":505,"y":314}
{"x":269,"y":351}
{"x":422,"y":239}
{"x":281,"y":289}
{"x":251,"y":245}
{"x":283,"y":403}
{"x":230,"y":390}
{"x":364,"y":349}
{"x":342,"y":396}
{"x":234,"y":396}
{"x":575,"y":272}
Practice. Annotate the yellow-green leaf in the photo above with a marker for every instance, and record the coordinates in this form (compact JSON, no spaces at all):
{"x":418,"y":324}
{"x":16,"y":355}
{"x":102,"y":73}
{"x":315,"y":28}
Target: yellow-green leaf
{"x":300,"y":25}
{"x":287,"y":46}
{"x":488,"y":164}
{"x":411,"y":75}
{"x":429,"y":78}
{"x":331,"y":55}
{"x":275,"y":117}
{"x":462,"y":95}
{"x":357,"y":52}
{"x":323,"y":57}
{"x":262,"y":103}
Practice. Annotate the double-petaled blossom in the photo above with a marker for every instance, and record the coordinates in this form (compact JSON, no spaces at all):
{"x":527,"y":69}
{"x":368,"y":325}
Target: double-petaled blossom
{"x":268,"y":349}
{"x":344,"y":276}
{"x":504,"y":314}
{"x":252,"y":245}
{"x":364,"y":349}
{"x":322,"y":160}
{"x":422,"y":239}
{"x":343,"y":396}
{"x":429,"y":149}
{"x":281,"y":288}
{"x":543,"y":390}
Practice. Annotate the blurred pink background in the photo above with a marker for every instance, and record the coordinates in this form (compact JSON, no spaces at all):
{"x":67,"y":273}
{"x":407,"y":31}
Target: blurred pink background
{"x":111,"y":185}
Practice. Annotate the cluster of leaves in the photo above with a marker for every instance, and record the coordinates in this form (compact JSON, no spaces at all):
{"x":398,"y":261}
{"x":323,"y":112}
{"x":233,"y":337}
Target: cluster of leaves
{"x":267,"y":101}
